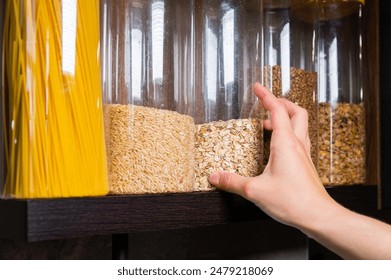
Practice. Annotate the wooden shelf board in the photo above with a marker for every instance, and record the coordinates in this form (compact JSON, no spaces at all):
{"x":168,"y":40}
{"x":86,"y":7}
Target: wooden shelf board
{"x":46,"y":219}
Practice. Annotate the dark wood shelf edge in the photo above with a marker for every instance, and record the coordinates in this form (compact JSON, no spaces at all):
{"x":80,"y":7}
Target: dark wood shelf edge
{"x":46,"y":219}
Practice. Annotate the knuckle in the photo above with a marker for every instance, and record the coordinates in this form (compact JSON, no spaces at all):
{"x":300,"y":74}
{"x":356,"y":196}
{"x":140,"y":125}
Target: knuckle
{"x":303,"y":112}
{"x":277,"y":110}
{"x":280,"y":105}
{"x":248,"y":188}
{"x":225,"y":179}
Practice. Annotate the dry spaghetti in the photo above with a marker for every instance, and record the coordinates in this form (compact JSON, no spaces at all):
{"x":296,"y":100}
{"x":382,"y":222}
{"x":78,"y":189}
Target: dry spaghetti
{"x":52,"y":97}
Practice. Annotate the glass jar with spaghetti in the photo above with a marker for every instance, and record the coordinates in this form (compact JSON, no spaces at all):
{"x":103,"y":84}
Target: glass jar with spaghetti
{"x":148,"y":82}
{"x":54,"y":132}
{"x":228,"y":116}
{"x":341,"y":94}
{"x":288,"y":65}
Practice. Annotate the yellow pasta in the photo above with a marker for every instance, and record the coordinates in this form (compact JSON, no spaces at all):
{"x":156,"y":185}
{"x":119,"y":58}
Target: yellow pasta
{"x":52,"y":99}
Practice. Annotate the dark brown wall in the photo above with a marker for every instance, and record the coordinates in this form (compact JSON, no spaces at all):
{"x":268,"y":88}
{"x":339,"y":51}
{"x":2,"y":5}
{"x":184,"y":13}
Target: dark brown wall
{"x":252,"y":240}
{"x":87,"y":248}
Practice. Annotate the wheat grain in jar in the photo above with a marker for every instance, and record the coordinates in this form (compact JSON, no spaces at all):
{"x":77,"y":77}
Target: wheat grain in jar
{"x":288,"y":65}
{"x":342,"y":147}
{"x":148,"y":82}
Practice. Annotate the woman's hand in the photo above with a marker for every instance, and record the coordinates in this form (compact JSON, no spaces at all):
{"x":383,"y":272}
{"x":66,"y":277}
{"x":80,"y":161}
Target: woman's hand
{"x":289,"y":189}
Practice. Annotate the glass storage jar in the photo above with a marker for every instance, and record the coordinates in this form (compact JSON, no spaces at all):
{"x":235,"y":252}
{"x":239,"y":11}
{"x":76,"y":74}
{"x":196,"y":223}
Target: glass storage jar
{"x":228,"y":121}
{"x":54,"y":133}
{"x":288,"y":65}
{"x":341,"y":95}
{"x":148,"y":82}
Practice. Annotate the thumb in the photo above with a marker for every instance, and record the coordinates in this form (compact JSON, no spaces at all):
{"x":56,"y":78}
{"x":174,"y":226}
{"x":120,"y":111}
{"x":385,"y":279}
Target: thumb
{"x":232,"y":182}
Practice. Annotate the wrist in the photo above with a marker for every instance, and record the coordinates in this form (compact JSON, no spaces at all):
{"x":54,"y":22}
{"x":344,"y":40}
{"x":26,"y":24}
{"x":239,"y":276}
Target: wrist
{"x":321,"y":218}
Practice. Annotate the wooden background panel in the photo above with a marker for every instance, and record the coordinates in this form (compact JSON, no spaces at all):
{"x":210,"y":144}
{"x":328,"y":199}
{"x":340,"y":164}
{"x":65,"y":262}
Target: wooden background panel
{"x":385,"y":102}
{"x":372,"y":88}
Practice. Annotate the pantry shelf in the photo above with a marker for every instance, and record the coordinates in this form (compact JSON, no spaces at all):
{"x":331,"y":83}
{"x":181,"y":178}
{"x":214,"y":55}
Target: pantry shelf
{"x":46,"y":219}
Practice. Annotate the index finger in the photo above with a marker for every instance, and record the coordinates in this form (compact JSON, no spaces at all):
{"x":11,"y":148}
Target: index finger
{"x":280,"y":119}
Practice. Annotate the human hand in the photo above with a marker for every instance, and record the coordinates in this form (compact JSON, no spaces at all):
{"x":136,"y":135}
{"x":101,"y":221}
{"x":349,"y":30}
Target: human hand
{"x":289,"y":189}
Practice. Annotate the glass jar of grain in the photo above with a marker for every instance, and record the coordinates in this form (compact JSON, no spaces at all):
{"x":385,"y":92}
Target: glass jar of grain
{"x":288,"y":65}
{"x":148,"y":83}
{"x":228,"y":122}
{"x":341,"y":96}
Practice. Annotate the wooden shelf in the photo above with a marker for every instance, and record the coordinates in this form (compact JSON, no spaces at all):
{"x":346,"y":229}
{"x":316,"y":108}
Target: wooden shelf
{"x":46,"y":219}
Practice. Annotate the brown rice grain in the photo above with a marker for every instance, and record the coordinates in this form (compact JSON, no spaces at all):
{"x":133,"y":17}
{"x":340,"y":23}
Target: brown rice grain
{"x":149,"y":150}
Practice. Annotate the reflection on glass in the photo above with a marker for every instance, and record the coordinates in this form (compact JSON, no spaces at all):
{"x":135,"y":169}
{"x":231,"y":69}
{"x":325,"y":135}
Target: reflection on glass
{"x":285,"y":58}
{"x":136,"y":60}
{"x":69,"y":16}
{"x":228,"y":46}
{"x":211,"y":59}
{"x":157,"y":39}
{"x":134,"y":57}
{"x":333,"y":71}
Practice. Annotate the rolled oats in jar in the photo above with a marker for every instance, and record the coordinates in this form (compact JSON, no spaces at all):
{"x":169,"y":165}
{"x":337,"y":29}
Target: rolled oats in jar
{"x":228,"y":116}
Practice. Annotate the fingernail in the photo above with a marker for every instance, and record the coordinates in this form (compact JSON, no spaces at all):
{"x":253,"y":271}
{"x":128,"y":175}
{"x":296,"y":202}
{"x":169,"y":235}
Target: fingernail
{"x":214,"y":178}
